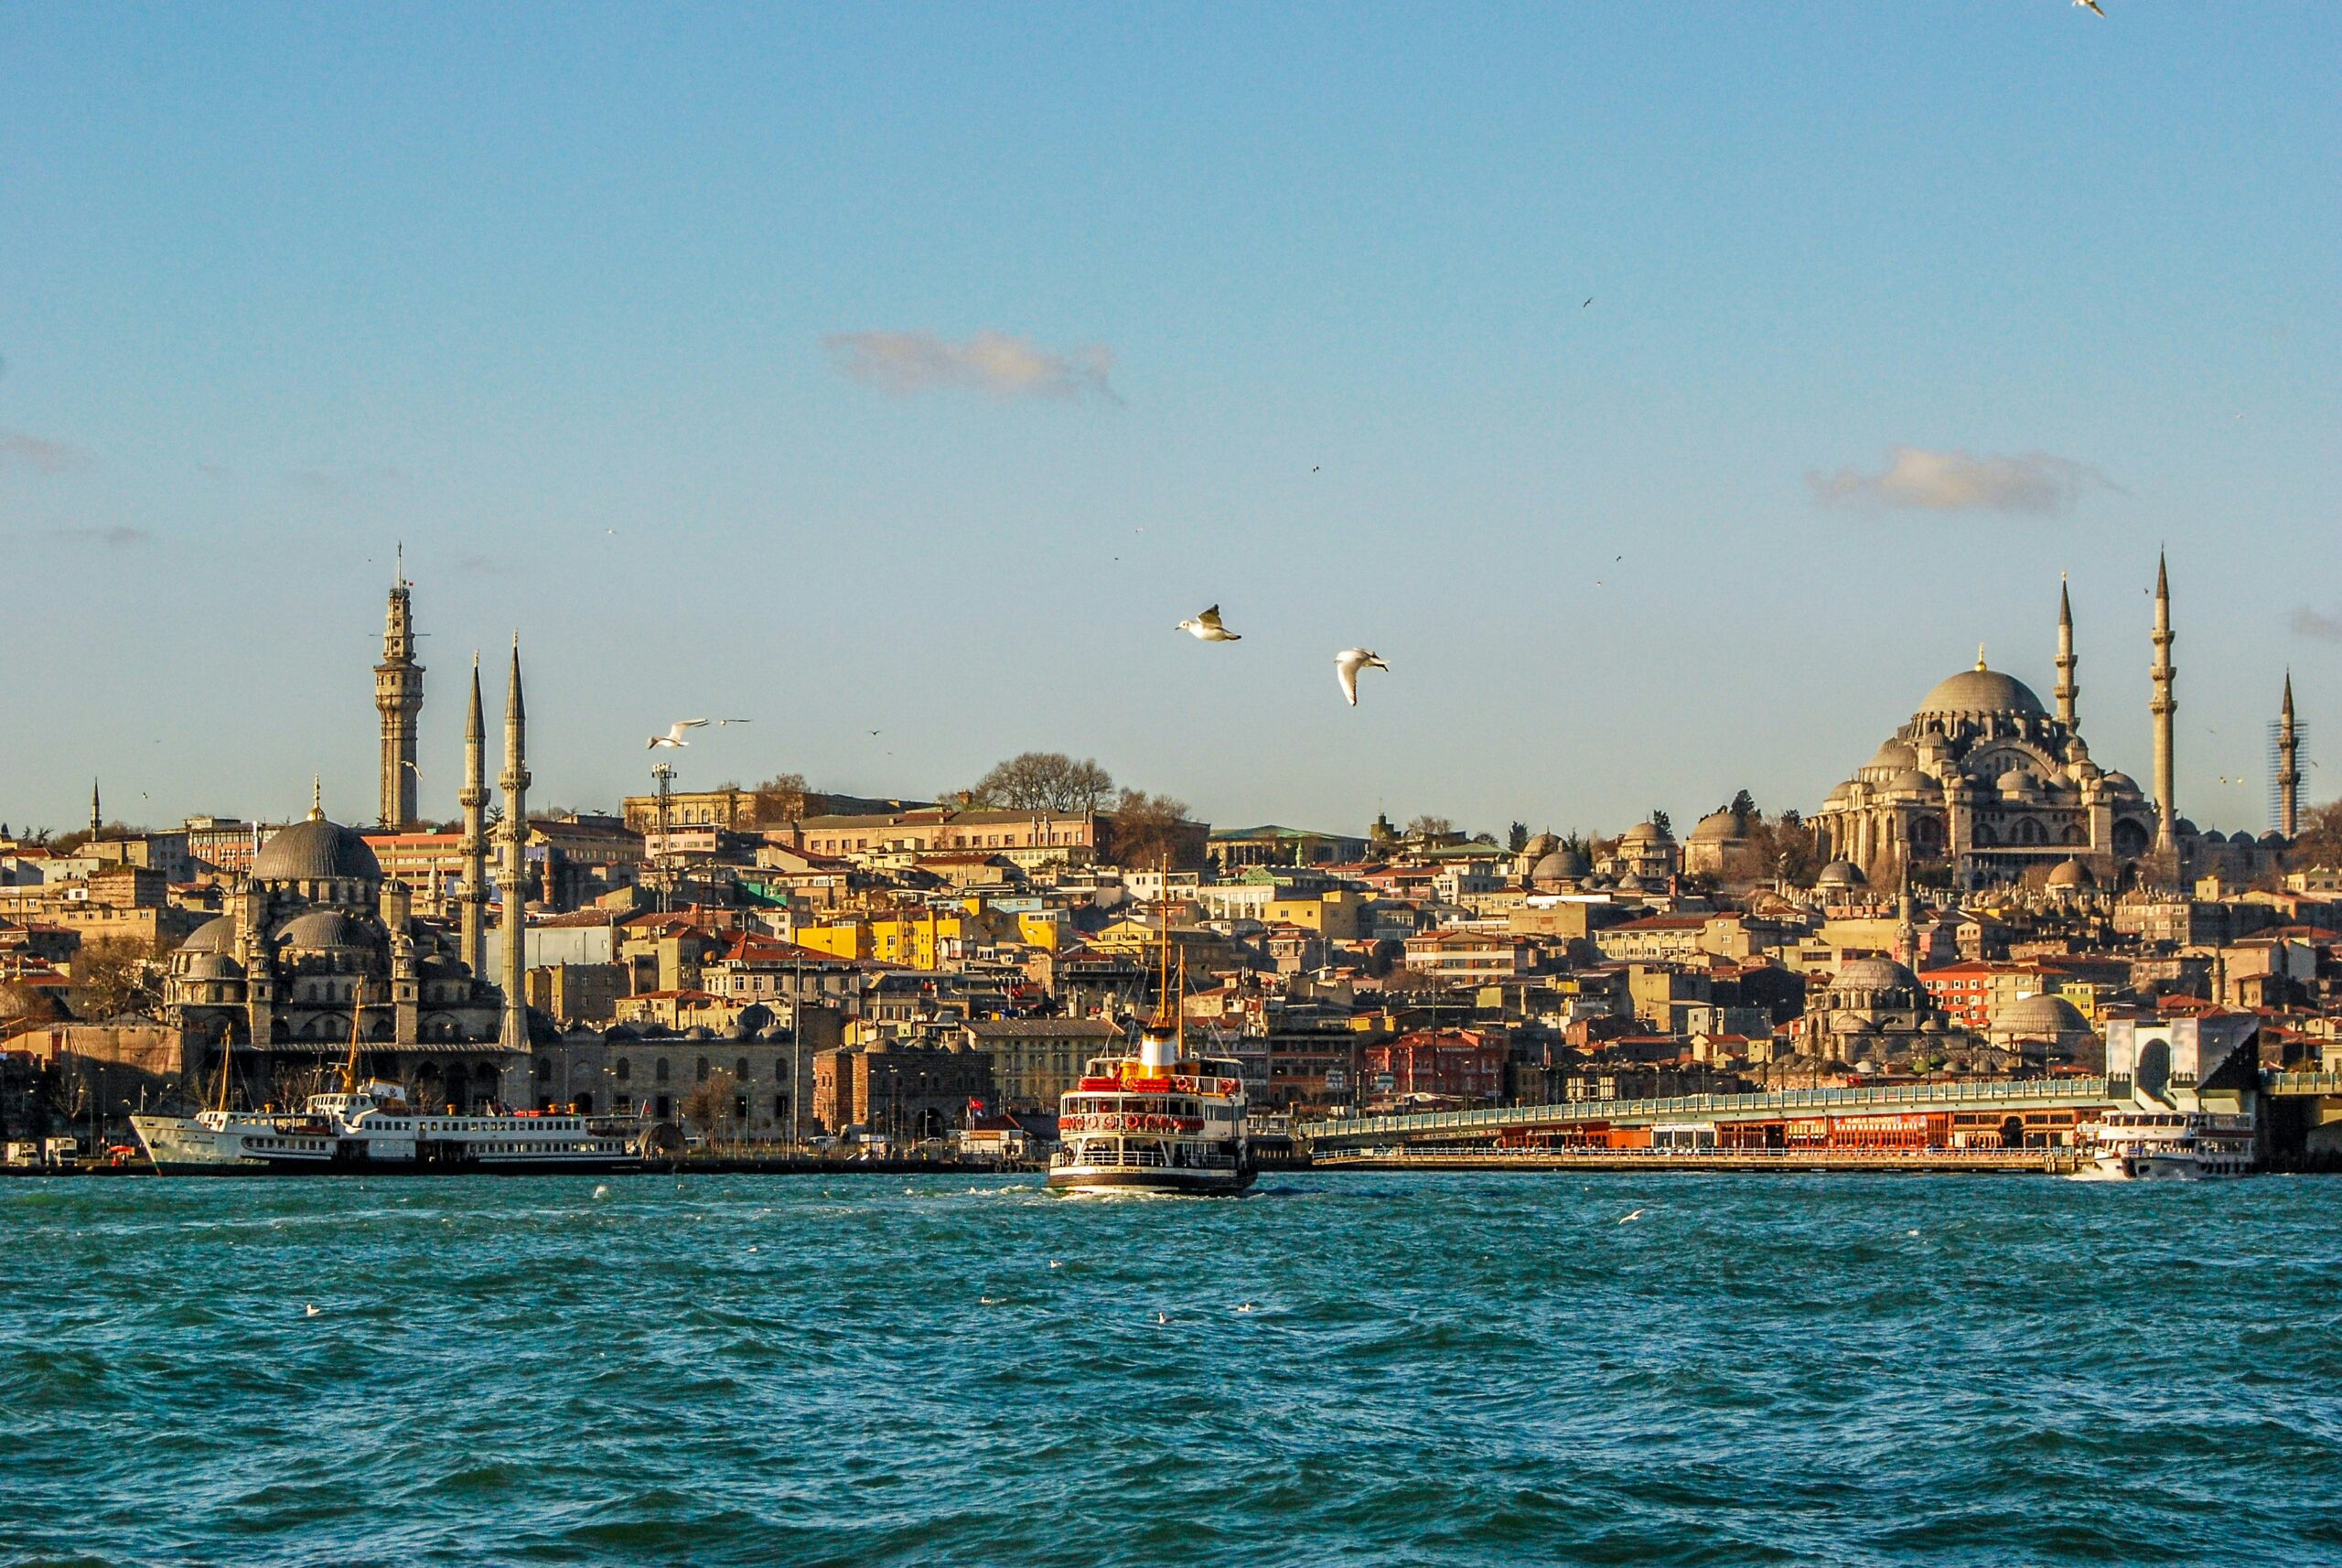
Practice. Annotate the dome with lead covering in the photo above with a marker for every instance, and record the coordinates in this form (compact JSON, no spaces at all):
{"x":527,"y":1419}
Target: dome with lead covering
{"x":1982,"y":691}
{"x":316,"y":851}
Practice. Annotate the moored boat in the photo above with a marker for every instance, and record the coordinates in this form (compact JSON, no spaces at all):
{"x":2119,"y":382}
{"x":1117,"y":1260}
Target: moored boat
{"x":2167,"y":1145}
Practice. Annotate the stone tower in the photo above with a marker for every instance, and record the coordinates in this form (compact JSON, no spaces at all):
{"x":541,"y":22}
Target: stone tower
{"x":398,"y":697}
{"x":513,"y":836}
{"x":2163,"y":706}
{"x":472,"y":934}
{"x":2067,"y":690}
{"x":2289,"y":764}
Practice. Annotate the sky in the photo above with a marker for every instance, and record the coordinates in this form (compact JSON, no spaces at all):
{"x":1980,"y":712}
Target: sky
{"x":1671,"y":394}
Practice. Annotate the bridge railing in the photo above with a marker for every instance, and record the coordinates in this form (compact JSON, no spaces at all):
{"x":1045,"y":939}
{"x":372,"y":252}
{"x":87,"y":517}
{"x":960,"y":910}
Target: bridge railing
{"x":2303,"y":1082}
{"x":1696,"y":1107}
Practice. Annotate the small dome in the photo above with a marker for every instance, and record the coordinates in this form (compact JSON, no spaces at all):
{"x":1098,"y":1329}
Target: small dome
{"x":324,"y":931}
{"x":2072,"y":873}
{"x":1630,"y":883}
{"x":214,"y":966}
{"x":1913,"y":781}
{"x":699,"y":1032}
{"x":1717,"y":827}
{"x":2043,"y":1016}
{"x":1560,"y":866}
{"x":316,"y":851}
{"x":1538,"y":846}
{"x":2020,"y":784}
{"x":1646,"y":832}
{"x":1873,"y":974}
{"x":1839,"y":873}
{"x":1982,"y":691}
{"x":1894,"y":756}
{"x":2119,"y":782}
{"x":213,"y":936}
{"x":2184,"y":828}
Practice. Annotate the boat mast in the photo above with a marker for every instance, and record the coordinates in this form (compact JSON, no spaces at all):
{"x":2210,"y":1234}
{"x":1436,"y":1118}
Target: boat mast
{"x":227,"y":1059}
{"x":357,"y":1012}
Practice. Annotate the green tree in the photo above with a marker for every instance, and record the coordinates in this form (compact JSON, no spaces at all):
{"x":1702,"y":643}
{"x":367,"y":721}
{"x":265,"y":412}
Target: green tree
{"x":1516,"y":838}
{"x":1659,"y":820}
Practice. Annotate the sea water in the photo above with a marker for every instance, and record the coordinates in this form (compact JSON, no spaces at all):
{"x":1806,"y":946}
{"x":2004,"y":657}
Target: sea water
{"x":1341,"y":1367}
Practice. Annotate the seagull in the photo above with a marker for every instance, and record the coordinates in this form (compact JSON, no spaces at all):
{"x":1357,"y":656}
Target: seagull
{"x":1160,"y":1318}
{"x":674,"y":736}
{"x":1348,"y":662}
{"x":1206,"y":628}
{"x":310,"y":1310}
{"x":1589,"y":300}
{"x":1638,"y":1214}
{"x":721,"y":723}
{"x":1315,"y":466}
{"x":2092,"y":4}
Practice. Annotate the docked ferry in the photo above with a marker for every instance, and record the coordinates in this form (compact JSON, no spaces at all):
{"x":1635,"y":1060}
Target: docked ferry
{"x":2176,"y":1146}
{"x":1157,"y":1120}
{"x":369,"y":1126}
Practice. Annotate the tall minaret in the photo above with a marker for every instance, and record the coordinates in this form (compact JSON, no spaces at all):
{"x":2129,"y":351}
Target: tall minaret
{"x":2067,"y":689}
{"x":97,"y":814}
{"x":514,"y":834}
{"x":2289,"y":768}
{"x":473,"y":929}
{"x":2163,"y":706}
{"x":398,"y":697}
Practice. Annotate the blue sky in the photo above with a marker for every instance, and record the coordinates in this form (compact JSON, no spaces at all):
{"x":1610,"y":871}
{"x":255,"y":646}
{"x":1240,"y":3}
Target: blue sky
{"x":648,"y":332}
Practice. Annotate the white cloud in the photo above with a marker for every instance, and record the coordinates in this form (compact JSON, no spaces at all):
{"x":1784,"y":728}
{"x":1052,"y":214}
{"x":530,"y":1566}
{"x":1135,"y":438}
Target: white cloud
{"x":902,"y":363}
{"x":2325,"y":628}
{"x":40,"y":452}
{"x":1957,"y":481}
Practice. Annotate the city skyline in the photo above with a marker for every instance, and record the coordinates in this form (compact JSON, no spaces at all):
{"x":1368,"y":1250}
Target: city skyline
{"x":924,"y":393}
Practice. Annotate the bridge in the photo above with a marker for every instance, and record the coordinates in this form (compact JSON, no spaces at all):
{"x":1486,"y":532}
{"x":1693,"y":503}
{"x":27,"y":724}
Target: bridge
{"x":1451,"y":1127}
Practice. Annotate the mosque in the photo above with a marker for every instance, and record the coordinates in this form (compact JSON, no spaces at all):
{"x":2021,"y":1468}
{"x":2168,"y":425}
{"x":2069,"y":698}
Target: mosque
{"x":316,"y":946}
{"x":1988,"y":783}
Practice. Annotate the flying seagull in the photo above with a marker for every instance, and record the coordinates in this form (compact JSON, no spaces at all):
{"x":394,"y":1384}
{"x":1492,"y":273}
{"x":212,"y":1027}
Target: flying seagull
{"x":674,"y":736}
{"x":2092,"y":4}
{"x":721,"y":723}
{"x":1348,"y":662}
{"x":1206,"y":628}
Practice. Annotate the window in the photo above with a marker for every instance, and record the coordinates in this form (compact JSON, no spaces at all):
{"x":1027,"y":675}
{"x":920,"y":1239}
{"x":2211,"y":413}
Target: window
{"x":703,"y":1069}
{"x":660,"y":1074}
{"x":743,"y":1074}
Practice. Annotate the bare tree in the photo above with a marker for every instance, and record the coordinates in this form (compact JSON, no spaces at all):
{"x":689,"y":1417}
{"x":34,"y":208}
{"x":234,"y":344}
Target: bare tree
{"x":1043,"y":781}
{"x":116,"y":975}
{"x":781,"y":798}
{"x":1146,"y":828}
{"x":710,"y":1106}
{"x":2319,"y":842}
{"x":1426,"y":828}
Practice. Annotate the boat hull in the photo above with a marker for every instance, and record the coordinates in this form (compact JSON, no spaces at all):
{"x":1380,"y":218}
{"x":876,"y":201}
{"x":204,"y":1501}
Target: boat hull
{"x":179,"y":1145}
{"x":1204,"y":1183}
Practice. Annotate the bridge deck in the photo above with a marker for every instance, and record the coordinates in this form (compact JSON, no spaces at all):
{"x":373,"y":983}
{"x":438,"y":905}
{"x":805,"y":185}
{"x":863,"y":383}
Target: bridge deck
{"x":1454,"y":1126}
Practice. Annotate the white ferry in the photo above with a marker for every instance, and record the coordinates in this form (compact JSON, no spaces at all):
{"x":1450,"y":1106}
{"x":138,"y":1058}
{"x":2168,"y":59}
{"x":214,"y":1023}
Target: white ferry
{"x":2178,"y":1146}
{"x":371,"y":1128}
{"x":1157,"y":1121}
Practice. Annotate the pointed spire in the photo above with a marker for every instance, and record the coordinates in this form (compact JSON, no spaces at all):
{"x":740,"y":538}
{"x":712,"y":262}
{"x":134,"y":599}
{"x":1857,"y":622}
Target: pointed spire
{"x":2286,"y":712}
{"x":317,"y":798}
{"x":2163,"y":578}
{"x":514,"y":708}
{"x":398,"y":577}
{"x":2065,"y":604}
{"x":1979,"y":656}
{"x":97,"y":812}
{"x":475,"y":726}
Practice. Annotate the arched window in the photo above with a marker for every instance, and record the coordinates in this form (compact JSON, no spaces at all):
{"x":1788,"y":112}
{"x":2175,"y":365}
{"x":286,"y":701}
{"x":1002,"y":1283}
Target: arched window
{"x":626,"y":1069}
{"x":661,"y":1073}
{"x":703,"y":1069}
{"x":742,"y":1073}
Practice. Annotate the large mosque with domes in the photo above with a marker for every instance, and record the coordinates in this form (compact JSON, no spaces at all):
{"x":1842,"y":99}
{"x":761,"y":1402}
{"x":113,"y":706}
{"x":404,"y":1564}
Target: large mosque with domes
{"x":1989,"y":784}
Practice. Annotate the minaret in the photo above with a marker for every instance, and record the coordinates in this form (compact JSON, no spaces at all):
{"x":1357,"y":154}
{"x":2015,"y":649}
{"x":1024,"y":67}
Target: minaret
{"x":398,"y":696}
{"x":2289,"y":769}
{"x":2163,"y":706}
{"x":2067,"y":689}
{"x":472,"y":938}
{"x":97,"y":814}
{"x":514,"y":834}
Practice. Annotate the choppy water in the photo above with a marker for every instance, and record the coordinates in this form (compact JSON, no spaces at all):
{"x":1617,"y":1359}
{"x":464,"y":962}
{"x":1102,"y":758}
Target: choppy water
{"x":1486,"y":1368}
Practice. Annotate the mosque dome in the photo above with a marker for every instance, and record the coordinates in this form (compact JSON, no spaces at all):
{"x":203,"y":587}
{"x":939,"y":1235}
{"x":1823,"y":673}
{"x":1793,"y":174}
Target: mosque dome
{"x":1560,"y":866}
{"x":2020,"y":784}
{"x":316,"y":851}
{"x":1646,"y":832}
{"x":1839,"y":873}
{"x":213,"y":965}
{"x":1914,"y":781}
{"x":1982,"y":691}
{"x":2039,"y":1017}
{"x":1873,"y":974}
{"x":324,"y":931}
{"x":2120,"y":783}
{"x":1718,"y":826}
{"x":2072,"y":873}
{"x":1538,"y":846}
{"x":1894,"y":756}
{"x":217,"y":935}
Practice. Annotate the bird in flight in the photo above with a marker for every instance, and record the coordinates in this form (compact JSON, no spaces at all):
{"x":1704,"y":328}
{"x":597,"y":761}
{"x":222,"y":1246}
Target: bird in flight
{"x":674,"y":736}
{"x":1348,"y":662}
{"x":1589,"y":300}
{"x":2092,"y":4}
{"x":721,"y":723}
{"x":1206,"y":628}
{"x":1638,"y":1214}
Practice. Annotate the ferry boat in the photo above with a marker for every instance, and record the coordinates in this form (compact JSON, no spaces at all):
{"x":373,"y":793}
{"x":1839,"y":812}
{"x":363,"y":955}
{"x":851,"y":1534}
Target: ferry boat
{"x":369,"y":1126}
{"x":2174,"y":1146}
{"x":1157,"y":1120}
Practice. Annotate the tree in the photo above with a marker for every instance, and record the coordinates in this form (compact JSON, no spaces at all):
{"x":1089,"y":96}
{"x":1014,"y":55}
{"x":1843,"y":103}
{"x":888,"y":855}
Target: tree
{"x":1791,"y":848}
{"x":711,"y":1104}
{"x":1146,"y":828}
{"x":781,"y":798}
{"x":1428,"y":827}
{"x":1515,"y":839}
{"x":1659,"y":820}
{"x":116,"y":975}
{"x":1043,"y":781}
{"x":1743,"y":804}
{"x":2319,"y":842}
